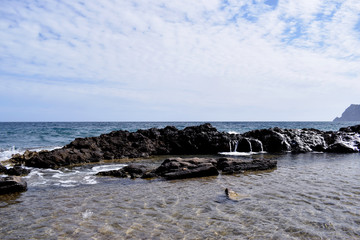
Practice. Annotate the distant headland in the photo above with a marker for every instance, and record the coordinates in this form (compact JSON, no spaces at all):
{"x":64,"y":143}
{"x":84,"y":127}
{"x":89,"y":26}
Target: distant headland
{"x":352,"y":113}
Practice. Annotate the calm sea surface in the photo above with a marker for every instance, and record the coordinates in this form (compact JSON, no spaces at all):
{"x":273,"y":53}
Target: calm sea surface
{"x":308,"y":196}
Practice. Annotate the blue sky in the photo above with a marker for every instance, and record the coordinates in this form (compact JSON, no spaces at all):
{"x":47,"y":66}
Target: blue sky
{"x":208,"y":60}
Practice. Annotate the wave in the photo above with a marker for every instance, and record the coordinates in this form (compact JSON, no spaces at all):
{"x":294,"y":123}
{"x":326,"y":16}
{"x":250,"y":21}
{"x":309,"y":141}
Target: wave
{"x":6,"y":154}
{"x":67,"y":177}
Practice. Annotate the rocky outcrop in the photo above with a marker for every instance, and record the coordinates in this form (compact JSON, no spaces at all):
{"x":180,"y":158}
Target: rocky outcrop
{"x":16,"y":170}
{"x":178,"y":168}
{"x":306,"y":140}
{"x":352,"y":113}
{"x":203,"y":139}
{"x":131,"y":171}
{"x":181,"y":168}
{"x":351,"y":129}
{"x":196,"y":140}
{"x":234,"y":165}
{"x":12,"y":184}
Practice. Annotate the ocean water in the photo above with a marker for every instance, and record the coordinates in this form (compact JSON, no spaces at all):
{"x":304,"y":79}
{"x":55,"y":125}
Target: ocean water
{"x":308,"y":196}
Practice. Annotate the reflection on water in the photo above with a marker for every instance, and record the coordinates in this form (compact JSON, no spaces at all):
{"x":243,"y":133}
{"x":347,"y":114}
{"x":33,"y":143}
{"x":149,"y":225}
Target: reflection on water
{"x":309,"y":196}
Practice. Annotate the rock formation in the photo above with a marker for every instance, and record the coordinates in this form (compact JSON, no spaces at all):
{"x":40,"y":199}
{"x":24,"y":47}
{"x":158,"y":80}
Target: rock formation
{"x":352,"y":113}
{"x":15,"y":171}
{"x":12,"y":184}
{"x":196,"y":140}
{"x":180,"y":168}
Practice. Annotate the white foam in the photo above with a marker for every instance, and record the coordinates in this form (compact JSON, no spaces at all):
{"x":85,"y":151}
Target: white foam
{"x":87,"y":214}
{"x":107,"y":167}
{"x":236,"y":153}
{"x":241,"y":153}
{"x":8,"y":153}
{"x":68,"y":177}
{"x":233,"y":132}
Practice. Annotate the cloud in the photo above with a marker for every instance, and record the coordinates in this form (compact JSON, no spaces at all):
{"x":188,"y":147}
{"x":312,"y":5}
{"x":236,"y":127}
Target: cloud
{"x":202,"y":60}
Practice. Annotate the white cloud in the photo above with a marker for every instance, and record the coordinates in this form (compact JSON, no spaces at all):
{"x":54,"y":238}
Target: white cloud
{"x":185,"y":55}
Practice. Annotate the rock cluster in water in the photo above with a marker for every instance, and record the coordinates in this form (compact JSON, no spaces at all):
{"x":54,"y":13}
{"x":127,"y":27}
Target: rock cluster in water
{"x":202,"y":139}
{"x":352,"y":113}
{"x":12,"y":184}
{"x":181,"y":168}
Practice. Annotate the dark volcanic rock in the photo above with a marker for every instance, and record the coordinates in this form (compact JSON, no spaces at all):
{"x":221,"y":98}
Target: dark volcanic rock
{"x":3,"y":169}
{"x":341,"y":147}
{"x":196,"y":140}
{"x":233,"y":165}
{"x":132,"y":171}
{"x":203,"y":139}
{"x":178,"y":168}
{"x":352,"y":113}
{"x":17,"y":170}
{"x":272,"y":140}
{"x":12,"y":184}
{"x":355,"y":129}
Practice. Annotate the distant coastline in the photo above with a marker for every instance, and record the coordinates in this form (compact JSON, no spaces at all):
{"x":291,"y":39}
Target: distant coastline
{"x":352,"y":113}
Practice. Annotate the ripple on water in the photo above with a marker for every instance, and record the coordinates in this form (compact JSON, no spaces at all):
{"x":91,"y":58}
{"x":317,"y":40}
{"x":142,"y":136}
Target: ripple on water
{"x":301,"y":199}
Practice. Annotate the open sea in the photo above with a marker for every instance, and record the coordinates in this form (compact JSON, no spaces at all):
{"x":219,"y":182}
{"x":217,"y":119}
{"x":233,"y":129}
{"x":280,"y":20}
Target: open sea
{"x":308,"y":196}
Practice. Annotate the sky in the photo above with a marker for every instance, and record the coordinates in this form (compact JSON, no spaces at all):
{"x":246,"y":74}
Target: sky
{"x":178,"y":60}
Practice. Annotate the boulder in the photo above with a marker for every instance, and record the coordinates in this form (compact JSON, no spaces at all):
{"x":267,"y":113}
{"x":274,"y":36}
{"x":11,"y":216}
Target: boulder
{"x":12,"y":184}
{"x":132,"y":171}
{"x":341,"y":147}
{"x":234,"y":165}
{"x":355,"y":129}
{"x":179,"y":168}
{"x":3,"y":169}
{"x":272,"y":140}
{"x":16,"y":170}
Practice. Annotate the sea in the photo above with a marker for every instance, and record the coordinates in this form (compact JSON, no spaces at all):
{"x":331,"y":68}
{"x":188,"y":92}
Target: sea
{"x":308,"y":196}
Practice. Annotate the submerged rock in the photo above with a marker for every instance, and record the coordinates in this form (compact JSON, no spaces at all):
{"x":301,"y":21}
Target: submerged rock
{"x":12,"y":184}
{"x":132,"y":171}
{"x":181,"y":168}
{"x":234,"y":165}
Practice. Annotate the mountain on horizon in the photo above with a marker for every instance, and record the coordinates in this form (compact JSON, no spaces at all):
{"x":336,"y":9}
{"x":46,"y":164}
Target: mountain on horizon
{"x":352,"y":113}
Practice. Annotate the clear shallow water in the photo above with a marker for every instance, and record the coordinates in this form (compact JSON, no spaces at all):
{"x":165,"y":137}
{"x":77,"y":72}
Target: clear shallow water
{"x":308,"y":196}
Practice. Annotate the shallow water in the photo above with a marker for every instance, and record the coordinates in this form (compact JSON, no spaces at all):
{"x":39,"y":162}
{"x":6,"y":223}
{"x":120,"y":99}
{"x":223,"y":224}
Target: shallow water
{"x":308,"y":196}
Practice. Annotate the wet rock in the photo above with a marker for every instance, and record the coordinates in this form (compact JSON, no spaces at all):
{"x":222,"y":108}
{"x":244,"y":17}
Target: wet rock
{"x":272,"y":140}
{"x":16,"y":170}
{"x":3,"y":169}
{"x":342,"y":147}
{"x":12,"y":184}
{"x":203,"y":139}
{"x":132,"y":171}
{"x":178,"y":168}
{"x":355,"y":129}
{"x":234,"y":165}
{"x":181,"y":168}
{"x":113,"y":173}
